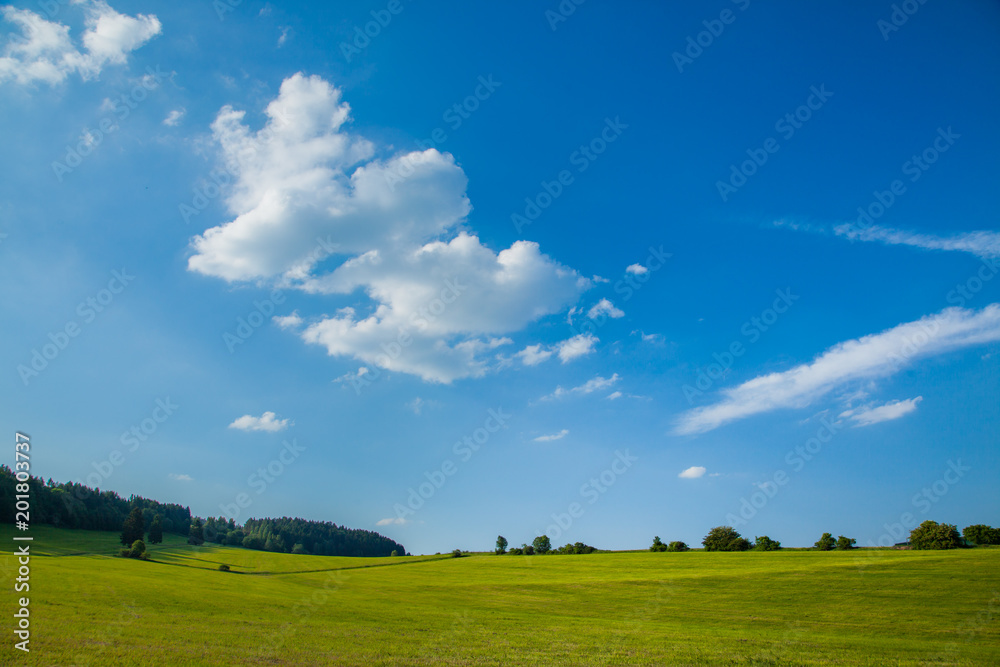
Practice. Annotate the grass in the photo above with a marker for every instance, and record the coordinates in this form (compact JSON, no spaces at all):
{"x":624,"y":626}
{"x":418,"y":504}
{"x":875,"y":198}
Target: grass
{"x":780,"y":608}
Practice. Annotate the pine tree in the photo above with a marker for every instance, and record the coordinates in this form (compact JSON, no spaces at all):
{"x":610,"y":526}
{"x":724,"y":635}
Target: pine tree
{"x":132,"y":529}
{"x":156,"y":530}
{"x":196,"y":535}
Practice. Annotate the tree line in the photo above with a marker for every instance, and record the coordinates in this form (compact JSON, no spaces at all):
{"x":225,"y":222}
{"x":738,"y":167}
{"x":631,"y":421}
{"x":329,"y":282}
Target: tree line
{"x":541,"y":545}
{"x":72,"y":505}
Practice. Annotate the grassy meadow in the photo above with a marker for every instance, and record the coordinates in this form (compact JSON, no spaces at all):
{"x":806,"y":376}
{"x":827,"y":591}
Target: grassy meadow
{"x":778,"y":608}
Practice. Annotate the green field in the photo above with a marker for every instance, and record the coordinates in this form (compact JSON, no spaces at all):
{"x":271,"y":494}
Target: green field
{"x":779,"y":608}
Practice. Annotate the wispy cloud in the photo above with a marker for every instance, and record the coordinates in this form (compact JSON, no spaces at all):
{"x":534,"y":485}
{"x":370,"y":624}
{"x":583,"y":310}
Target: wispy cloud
{"x":590,"y":386}
{"x":392,"y":521}
{"x":180,"y":478}
{"x":266,"y":422}
{"x":173,"y":118}
{"x":872,"y":356}
{"x":694,"y":472}
{"x":867,"y":415}
{"x":984,"y":244}
{"x":555,"y":436}
{"x":533,"y":355}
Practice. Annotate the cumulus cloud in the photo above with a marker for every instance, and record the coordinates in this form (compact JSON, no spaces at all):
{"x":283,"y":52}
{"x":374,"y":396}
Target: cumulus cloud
{"x":266,"y":422}
{"x":605,"y":307}
{"x":590,"y":386}
{"x":314,"y":209}
{"x":694,"y":472}
{"x":533,"y":355}
{"x":555,"y":436}
{"x":173,"y":118}
{"x":578,"y":346}
{"x":636,"y":269}
{"x":44,"y":52}
{"x":872,"y":356}
{"x":868,"y":415}
{"x":983,"y":244}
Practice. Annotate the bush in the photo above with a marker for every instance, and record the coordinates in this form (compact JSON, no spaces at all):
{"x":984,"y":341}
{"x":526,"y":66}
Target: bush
{"x":658,"y":545}
{"x":678,"y":546}
{"x":826,"y":542}
{"x":765,"y":543}
{"x":394,"y":553}
{"x":845,"y":543}
{"x":224,"y":568}
{"x":576,"y":548}
{"x":517,"y":551}
{"x":981,"y":534}
{"x":725,"y":538}
{"x":934,"y":535}
{"x":137,"y":550}
{"x":528,"y":549}
{"x":457,"y":553}
{"x":298,"y":548}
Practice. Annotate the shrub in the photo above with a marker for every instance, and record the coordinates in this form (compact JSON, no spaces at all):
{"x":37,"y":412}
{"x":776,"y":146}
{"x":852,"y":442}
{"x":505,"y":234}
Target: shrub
{"x":224,"y":568}
{"x":528,"y":549}
{"x":826,"y":542}
{"x":576,"y":548}
{"x":658,"y":545}
{"x":765,"y":543}
{"x":845,"y":543}
{"x":457,"y":553}
{"x":137,"y":550}
{"x":981,"y":534}
{"x":678,"y":546}
{"x":394,"y":553}
{"x":934,"y":535}
{"x":725,"y":538}
{"x":517,"y":551}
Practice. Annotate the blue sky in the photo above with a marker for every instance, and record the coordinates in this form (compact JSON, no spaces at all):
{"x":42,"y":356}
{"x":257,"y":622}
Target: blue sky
{"x":605,"y":277}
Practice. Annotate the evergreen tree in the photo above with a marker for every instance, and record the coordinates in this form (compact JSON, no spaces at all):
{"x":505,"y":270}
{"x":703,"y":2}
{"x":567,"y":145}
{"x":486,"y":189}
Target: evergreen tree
{"x":156,"y":530}
{"x":196,"y":534}
{"x":132,"y":529}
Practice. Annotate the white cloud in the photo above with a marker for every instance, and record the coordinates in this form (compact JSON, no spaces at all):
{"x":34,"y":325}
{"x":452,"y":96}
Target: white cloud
{"x":266,"y":422}
{"x":285,"y":30}
{"x":392,"y":521}
{"x":614,"y":396}
{"x":293,"y":321}
{"x":636,"y":269}
{"x":555,"y":436}
{"x":173,"y":118}
{"x":392,"y":225}
{"x":417,"y":405}
{"x":868,"y":415}
{"x":578,"y":346}
{"x":590,"y":386}
{"x":694,"y":472}
{"x":984,"y":244}
{"x":44,"y":52}
{"x":872,"y":356}
{"x":604,"y":307}
{"x":180,"y":478}
{"x":533,"y":355}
